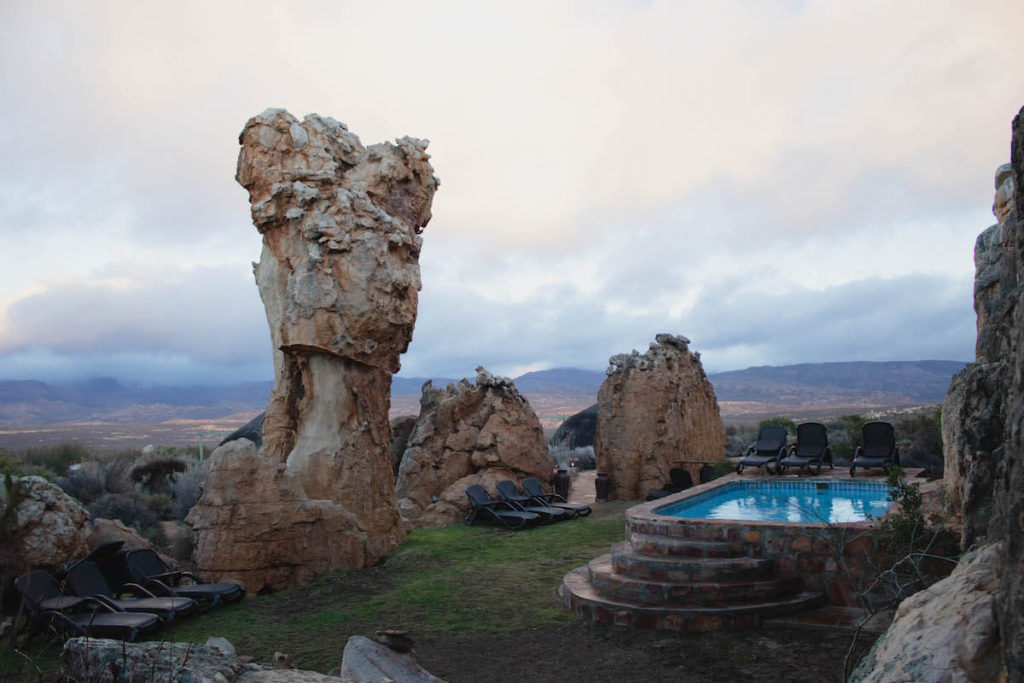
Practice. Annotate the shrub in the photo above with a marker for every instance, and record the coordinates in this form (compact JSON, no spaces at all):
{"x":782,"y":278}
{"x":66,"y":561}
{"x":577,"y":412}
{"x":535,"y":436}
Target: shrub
{"x":723,"y":467}
{"x":187,"y":488}
{"x":58,"y":458}
{"x":157,"y":475}
{"x":128,"y":509}
{"x":784,"y":422}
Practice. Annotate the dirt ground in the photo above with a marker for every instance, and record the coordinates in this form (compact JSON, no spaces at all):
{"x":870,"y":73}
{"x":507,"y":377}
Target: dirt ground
{"x":598,"y":654}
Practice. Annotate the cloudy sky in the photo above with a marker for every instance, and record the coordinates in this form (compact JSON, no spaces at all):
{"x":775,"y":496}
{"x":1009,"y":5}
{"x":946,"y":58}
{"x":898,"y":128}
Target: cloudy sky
{"x":781,"y":182}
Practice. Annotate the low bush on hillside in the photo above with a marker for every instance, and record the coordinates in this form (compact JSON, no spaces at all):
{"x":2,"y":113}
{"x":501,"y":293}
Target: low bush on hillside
{"x":139,"y":488}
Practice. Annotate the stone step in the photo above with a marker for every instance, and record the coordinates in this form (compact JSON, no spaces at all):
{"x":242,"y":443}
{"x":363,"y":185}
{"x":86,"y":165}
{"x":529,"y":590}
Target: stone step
{"x":687,"y":547}
{"x":685,"y":593}
{"x":581,"y":597}
{"x":680,"y":568}
{"x":673,"y":527}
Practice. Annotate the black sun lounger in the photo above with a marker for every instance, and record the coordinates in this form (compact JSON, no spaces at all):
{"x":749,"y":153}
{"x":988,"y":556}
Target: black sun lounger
{"x":483,"y":507}
{"x":148,"y":570}
{"x":84,"y":578}
{"x":811,"y":449}
{"x":510,"y":493}
{"x":72,"y":615}
{"x":534,"y":489}
{"x":769,"y":448}
{"x":879,"y":449}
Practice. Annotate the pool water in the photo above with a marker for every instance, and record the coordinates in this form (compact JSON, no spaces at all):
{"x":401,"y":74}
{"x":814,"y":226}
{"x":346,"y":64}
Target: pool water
{"x":806,"y":501}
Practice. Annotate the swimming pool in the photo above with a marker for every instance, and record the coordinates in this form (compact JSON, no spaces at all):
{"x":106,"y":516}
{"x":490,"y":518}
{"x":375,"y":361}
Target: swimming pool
{"x":808,"y":501}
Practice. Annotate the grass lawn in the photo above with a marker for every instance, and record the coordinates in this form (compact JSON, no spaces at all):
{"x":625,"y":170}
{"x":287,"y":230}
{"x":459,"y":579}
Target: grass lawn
{"x":441,"y":583}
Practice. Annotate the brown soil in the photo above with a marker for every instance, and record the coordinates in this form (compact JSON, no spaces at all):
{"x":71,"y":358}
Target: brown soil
{"x":581,"y":652}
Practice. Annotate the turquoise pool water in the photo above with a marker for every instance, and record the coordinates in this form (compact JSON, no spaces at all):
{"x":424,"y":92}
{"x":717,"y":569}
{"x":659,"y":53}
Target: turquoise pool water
{"x":786,"y":501}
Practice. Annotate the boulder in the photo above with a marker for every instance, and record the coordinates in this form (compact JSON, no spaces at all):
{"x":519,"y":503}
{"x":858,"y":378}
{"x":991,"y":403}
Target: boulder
{"x":98,"y":659}
{"x":366,"y":661}
{"x":339,"y":278}
{"x":656,"y":411}
{"x":578,"y":431}
{"x":100,"y":531}
{"x":467,"y":434}
{"x":252,"y":430}
{"x":246,"y":503}
{"x":44,"y":529}
{"x":947,"y":632}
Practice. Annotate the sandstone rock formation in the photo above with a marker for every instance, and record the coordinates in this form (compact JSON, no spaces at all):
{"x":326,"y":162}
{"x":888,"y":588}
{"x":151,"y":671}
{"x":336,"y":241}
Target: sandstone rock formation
{"x":974,"y":415}
{"x":945,"y":633}
{"x":983,"y":433}
{"x":43,"y":529}
{"x":468,"y":434}
{"x":656,"y":410}
{"x":339,"y":278}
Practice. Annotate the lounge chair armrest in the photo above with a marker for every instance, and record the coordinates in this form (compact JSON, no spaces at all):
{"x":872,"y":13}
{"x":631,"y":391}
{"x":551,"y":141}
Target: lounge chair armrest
{"x":100,"y":603}
{"x":859,"y":451}
{"x":139,"y":591}
{"x":161,"y":588}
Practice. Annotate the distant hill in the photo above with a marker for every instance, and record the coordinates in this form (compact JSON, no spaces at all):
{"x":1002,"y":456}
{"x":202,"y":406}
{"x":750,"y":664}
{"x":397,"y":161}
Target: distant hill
{"x":553,"y":393}
{"x":891,"y":382}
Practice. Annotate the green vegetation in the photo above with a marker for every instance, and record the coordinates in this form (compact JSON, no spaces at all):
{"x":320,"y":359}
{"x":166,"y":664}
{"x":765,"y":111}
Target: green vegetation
{"x":440,"y":582}
{"x":783,"y":422}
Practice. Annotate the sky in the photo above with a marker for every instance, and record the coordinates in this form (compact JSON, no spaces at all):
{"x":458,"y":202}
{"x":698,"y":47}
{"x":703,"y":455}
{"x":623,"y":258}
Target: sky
{"x":781,"y":182}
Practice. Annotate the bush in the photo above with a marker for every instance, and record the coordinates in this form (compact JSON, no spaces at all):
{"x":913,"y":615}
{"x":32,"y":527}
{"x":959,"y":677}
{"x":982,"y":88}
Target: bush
{"x":783,"y":422}
{"x":56,"y":459}
{"x":131,"y":510}
{"x":157,"y":475}
{"x":187,"y":488}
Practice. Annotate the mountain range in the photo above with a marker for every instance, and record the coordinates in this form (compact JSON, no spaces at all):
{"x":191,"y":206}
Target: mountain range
{"x":553,"y":393}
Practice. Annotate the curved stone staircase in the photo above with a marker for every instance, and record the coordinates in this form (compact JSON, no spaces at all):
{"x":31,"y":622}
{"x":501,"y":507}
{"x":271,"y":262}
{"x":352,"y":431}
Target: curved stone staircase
{"x":683,"y":584}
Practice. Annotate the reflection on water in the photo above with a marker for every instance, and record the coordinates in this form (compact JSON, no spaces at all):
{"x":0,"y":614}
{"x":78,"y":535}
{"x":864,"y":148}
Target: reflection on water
{"x":811,"y":504}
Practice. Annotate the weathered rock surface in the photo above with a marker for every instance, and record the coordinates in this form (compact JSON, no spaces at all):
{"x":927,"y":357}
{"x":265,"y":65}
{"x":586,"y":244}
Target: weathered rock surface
{"x":366,"y":661}
{"x":102,"y":660}
{"x":339,"y":278}
{"x":249,"y":500}
{"x":46,"y":529}
{"x":655,"y":410}
{"x":948,"y":632}
{"x":983,"y":429}
{"x":100,"y":531}
{"x":468,"y":434}
{"x":974,"y":417}
{"x":1006,"y":188}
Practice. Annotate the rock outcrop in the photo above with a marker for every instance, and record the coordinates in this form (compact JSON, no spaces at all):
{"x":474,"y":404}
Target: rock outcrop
{"x":339,"y":278}
{"x":983,"y":434}
{"x":44,"y":528}
{"x":945,"y":633}
{"x":656,"y":410}
{"x":578,"y":430}
{"x":467,"y":434}
{"x":98,"y":659}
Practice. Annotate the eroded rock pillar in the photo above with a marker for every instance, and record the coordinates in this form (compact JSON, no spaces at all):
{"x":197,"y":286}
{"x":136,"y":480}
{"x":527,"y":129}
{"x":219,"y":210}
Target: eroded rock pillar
{"x":339,"y":277}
